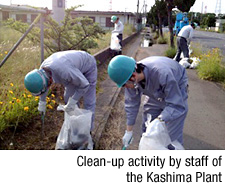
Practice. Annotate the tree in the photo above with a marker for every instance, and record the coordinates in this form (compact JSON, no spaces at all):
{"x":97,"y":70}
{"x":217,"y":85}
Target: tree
{"x":74,"y":34}
{"x":152,"y":17}
{"x":209,"y":20}
{"x":161,"y":13}
{"x":170,"y":6}
{"x":182,"y":5}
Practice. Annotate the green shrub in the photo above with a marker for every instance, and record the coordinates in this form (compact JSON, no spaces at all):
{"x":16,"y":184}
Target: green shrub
{"x":162,"y":40}
{"x":170,"y":52}
{"x":210,"y":67}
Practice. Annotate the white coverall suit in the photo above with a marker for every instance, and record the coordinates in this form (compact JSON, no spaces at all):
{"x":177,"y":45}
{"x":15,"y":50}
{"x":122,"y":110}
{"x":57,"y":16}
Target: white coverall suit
{"x":77,"y":72}
{"x":165,"y":87}
{"x":118,"y":28}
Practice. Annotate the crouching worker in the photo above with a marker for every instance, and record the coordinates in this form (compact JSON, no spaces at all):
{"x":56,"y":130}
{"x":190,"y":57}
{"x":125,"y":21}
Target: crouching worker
{"x":76,"y":71}
{"x":163,"y":81}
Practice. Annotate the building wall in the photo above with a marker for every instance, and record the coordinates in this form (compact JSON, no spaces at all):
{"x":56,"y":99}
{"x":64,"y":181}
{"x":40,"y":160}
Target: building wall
{"x":104,"y":20}
{"x":58,"y":13}
{"x":18,"y":15}
{"x":219,"y":23}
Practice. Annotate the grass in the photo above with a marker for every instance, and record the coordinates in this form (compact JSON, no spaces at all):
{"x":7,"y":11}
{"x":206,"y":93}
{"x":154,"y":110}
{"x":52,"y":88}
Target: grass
{"x":162,"y":40}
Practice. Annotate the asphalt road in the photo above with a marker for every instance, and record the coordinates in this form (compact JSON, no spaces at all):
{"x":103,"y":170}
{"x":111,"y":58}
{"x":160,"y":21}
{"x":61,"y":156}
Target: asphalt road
{"x":210,"y":40}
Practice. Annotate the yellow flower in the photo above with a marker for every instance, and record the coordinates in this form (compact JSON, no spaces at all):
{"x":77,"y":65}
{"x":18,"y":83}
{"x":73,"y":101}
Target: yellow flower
{"x":1,"y":54}
{"x":1,"y":103}
{"x":14,"y":98}
{"x":29,"y":95}
{"x":18,"y":100}
{"x":26,"y":108}
{"x":53,"y":95}
{"x":49,"y":106}
{"x":11,"y":84}
{"x":61,"y":97}
{"x":11,"y":92}
{"x":24,"y":95}
{"x":36,"y":98}
{"x":53,"y":101}
{"x":48,"y":99}
{"x":10,"y":102}
{"x":6,"y":52}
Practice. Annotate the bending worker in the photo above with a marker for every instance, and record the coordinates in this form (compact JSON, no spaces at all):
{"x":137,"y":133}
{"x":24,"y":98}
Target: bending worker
{"x":118,"y":28}
{"x":163,"y":81}
{"x":75,"y":70}
{"x":183,"y":40}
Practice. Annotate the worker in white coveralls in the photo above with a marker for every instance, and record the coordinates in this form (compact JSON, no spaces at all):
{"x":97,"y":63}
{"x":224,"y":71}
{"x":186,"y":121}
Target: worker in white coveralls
{"x":165,"y":84}
{"x":76,"y":71}
{"x":118,"y":28}
{"x":183,"y":40}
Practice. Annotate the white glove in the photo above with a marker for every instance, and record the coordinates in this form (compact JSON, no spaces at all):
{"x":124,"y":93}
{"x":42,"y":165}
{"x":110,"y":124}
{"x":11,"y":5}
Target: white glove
{"x":42,"y":106}
{"x":154,"y":122}
{"x":70,"y":106}
{"x":127,"y":138}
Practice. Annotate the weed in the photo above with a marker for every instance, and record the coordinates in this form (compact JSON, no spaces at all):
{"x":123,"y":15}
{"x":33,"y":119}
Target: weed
{"x":210,"y":67}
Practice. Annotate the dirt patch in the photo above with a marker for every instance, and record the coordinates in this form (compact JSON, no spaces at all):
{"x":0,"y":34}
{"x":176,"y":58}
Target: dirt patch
{"x":112,"y":136}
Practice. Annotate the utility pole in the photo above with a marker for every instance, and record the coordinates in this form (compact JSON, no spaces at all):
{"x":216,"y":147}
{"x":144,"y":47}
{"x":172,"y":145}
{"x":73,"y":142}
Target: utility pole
{"x":137,"y":16}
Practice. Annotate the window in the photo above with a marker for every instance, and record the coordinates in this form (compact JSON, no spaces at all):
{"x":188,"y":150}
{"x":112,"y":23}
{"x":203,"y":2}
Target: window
{"x":108,"y":22}
{"x":93,"y":18}
{"x":102,"y":21}
{"x":21,"y":17}
{"x":33,"y":17}
{"x":60,"y":3}
{"x":5,"y":15}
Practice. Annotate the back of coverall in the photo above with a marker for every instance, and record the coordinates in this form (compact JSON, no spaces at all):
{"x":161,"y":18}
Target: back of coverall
{"x":165,"y":87}
{"x":77,"y":72}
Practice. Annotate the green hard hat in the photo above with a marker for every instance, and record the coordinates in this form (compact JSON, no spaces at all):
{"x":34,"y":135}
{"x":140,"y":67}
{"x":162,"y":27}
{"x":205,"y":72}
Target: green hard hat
{"x":113,"y":19}
{"x":36,"y":81}
{"x":120,"y":69}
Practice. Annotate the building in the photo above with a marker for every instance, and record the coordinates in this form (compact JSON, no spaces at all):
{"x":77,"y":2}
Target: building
{"x":28,"y":14}
{"x":104,"y":17}
{"x":219,"y":24}
{"x":18,"y":12}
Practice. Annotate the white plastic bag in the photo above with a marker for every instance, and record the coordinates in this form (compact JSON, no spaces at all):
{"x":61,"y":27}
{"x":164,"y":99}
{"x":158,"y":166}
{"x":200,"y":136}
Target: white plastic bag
{"x":75,"y":132}
{"x":115,"y":42}
{"x":184,"y":62}
{"x":195,"y":62}
{"x":157,"y":138}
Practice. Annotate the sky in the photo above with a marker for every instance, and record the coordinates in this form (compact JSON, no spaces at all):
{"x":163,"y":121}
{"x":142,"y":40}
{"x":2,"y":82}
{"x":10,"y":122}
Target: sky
{"x":118,"y":5}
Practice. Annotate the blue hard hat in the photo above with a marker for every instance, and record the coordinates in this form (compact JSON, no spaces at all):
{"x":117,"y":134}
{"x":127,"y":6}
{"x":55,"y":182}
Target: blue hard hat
{"x":120,"y":69}
{"x":36,"y":81}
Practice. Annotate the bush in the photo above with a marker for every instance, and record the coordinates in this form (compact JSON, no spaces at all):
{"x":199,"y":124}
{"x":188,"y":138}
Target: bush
{"x":162,"y":40}
{"x":171,"y":52}
{"x":210,"y":67}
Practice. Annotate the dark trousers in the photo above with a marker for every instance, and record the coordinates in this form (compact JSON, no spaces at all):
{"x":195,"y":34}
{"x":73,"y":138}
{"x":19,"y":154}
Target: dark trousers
{"x":182,"y":46}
